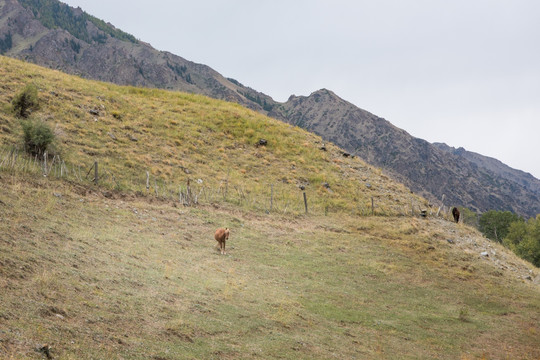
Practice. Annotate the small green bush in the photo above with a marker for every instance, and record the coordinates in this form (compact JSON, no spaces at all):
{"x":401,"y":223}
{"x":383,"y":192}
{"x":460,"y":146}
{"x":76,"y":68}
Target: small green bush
{"x":37,"y":136}
{"x":26,"y":101}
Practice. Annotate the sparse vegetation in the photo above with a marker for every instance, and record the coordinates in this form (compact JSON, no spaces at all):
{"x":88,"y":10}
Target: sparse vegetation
{"x":98,"y":277}
{"x":54,"y":14}
{"x":97,"y":273}
{"x":179,"y":70}
{"x":75,"y":45}
{"x":235,"y":82}
{"x":257,"y":99}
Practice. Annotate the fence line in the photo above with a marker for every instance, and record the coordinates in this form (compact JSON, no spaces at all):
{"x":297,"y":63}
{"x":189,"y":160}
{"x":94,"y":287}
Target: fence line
{"x":269,"y":198}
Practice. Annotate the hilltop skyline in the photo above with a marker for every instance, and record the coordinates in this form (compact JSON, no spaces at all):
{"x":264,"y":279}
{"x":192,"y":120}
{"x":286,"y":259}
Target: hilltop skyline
{"x":466,"y":75}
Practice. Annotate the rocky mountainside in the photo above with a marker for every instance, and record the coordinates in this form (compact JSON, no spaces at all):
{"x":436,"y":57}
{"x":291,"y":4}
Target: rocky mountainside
{"x":55,"y":35}
{"x":466,"y":180}
{"x":52,"y":34}
{"x":496,"y":166}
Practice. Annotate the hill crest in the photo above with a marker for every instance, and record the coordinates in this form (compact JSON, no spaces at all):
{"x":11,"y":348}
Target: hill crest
{"x":106,"y":56}
{"x":178,"y":136}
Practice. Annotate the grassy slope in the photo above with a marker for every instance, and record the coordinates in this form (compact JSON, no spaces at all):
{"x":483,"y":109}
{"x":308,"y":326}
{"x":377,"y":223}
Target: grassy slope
{"x":137,"y":277}
{"x":131,"y":278}
{"x":214,"y":140}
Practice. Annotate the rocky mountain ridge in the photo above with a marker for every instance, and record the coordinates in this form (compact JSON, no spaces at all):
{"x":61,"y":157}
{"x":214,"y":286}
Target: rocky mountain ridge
{"x":99,"y":51}
{"x":521,"y":177}
{"x":426,"y":168}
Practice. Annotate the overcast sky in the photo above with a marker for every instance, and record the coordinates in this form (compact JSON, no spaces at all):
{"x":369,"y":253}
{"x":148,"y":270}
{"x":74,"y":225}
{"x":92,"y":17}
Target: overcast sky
{"x":463,"y":72}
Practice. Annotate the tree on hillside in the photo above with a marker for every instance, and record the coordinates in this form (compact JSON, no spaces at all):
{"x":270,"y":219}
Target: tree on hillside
{"x":524,"y":239}
{"x":495,"y":224}
{"x":26,"y":101}
{"x":54,"y":14}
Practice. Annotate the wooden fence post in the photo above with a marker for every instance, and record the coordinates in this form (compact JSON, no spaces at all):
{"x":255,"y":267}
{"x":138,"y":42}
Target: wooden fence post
{"x":305,"y":201}
{"x":372,"y":207}
{"x":147,"y":181}
{"x":442,"y":205}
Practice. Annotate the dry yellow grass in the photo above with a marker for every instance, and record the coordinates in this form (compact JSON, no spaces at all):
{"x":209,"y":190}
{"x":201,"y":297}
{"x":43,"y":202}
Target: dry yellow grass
{"x":176,"y":137}
{"x":101,"y":274}
{"x":140,"y":278}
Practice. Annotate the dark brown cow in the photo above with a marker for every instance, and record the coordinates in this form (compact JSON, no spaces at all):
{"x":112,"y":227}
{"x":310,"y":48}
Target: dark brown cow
{"x":221,"y":236}
{"x":455,"y":214}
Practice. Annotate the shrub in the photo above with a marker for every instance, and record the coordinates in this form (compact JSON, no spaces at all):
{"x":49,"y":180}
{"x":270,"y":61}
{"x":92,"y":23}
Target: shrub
{"x":524,"y":239}
{"x":494,"y":224}
{"x":37,"y":136}
{"x":469,"y":217}
{"x":26,"y":101}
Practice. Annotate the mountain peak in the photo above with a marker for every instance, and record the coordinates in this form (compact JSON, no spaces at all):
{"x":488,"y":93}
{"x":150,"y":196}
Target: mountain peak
{"x":323,"y":91}
{"x":325,"y":94}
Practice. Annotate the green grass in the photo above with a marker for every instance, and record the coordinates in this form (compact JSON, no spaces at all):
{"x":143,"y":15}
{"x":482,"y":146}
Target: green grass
{"x":102,"y":274}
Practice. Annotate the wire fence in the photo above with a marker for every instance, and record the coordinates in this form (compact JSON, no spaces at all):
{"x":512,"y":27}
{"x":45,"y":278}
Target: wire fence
{"x":266,"y":197}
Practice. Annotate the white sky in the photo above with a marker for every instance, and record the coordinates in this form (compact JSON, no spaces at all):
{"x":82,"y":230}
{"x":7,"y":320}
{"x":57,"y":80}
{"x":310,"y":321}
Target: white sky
{"x":463,"y":72}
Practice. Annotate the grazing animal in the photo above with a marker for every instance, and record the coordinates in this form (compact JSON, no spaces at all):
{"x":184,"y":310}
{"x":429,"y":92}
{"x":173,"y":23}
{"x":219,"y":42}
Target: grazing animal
{"x":221,"y":236}
{"x":455,"y":214}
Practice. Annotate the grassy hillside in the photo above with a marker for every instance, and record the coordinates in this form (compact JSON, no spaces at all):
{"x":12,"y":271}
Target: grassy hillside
{"x":176,"y":136}
{"x":114,"y":272}
{"x":99,"y":278}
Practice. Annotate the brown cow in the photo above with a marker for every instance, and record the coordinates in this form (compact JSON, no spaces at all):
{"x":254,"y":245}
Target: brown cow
{"x":455,"y":214}
{"x":221,"y":236}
